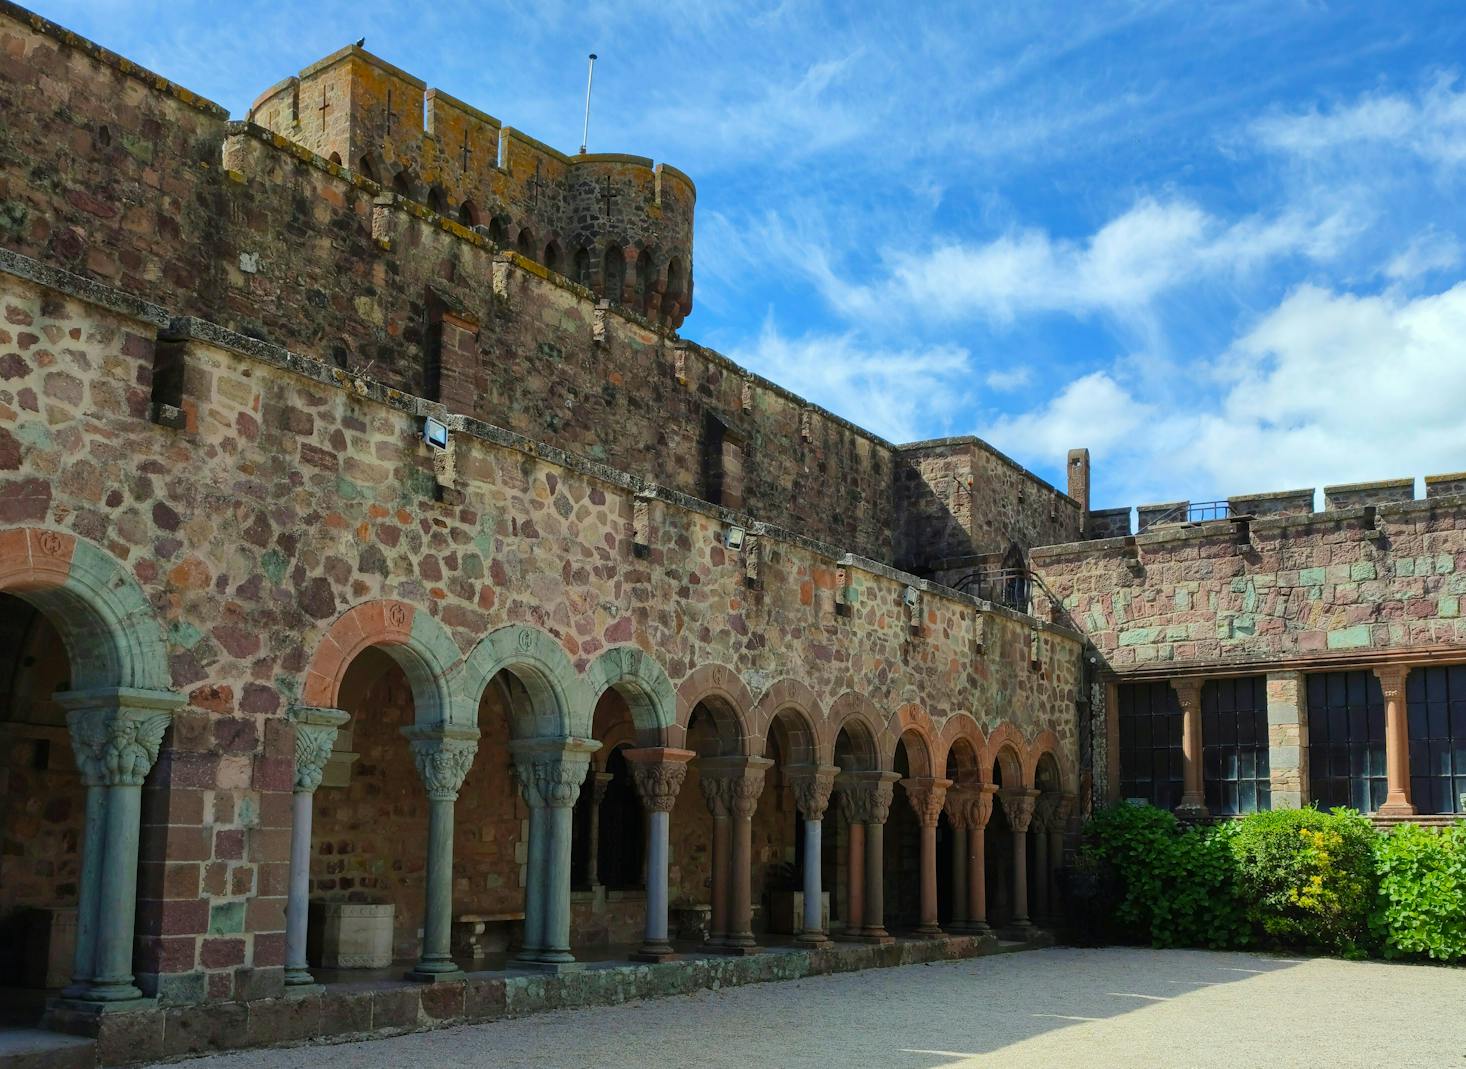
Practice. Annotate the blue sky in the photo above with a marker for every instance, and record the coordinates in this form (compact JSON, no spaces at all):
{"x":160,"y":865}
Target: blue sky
{"x":1221,"y":245}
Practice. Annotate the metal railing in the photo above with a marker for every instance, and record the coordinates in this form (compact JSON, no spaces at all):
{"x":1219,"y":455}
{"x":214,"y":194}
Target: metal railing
{"x":1191,"y":512}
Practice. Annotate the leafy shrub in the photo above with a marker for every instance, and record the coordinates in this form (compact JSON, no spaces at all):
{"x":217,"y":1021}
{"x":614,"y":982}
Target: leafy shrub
{"x":1421,"y":905}
{"x":1161,"y":883}
{"x":1308,"y":877}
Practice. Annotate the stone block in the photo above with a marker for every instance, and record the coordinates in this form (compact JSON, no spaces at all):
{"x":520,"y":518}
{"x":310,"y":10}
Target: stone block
{"x":1356,"y":495}
{"x":1279,"y":503}
{"x":396,"y":1007}
{"x":350,"y":935}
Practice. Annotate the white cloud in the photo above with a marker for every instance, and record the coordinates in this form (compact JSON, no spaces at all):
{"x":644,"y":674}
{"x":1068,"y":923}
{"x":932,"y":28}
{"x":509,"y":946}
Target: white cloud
{"x":1430,"y":251}
{"x":1430,"y":124}
{"x":1326,"y":387}
{"x":1011,"y":378}
{"x":895,"y":392}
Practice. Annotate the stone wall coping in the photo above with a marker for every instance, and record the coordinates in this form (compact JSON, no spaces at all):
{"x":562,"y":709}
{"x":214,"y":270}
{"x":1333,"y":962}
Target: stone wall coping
{"x":973,"y":440}
{"x":191,"y":328}
{"x":1446,"y":477}
{"x":362,"y":54}
{"x":1273,"y":495}
{"x":467,"y":109}
{"x":1332,"y":661}
{"x":1402,"y":510}
{"x":107,"y":57}
{"x":1379,"y":484}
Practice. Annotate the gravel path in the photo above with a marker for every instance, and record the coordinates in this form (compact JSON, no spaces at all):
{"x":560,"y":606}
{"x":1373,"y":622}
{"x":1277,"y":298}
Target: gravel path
{"x":1112,"y":1007}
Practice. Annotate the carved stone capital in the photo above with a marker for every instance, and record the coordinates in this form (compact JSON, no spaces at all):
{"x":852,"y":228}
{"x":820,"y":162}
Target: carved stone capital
{"x":658,"y":774}
{"x":868,"y":794}
{"x":1188,"y":694}
{"x":812,"y":786}
{"x":1045,"y":811}
{"x":1392,"y":681}
{"x":600,"y":783}
{"x":927,"y":797}
{"x":1018,"y":805}
{"x":982,"y":806}
{"x":741,"y":779}
{"x":959,"y":804}
{"x":116,"y":732}
{"x":315,"y":737}
{"x":551,"y":771}
{"x":443,"y":756}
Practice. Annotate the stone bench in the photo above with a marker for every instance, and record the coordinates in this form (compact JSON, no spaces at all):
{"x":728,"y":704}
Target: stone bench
{"x":477,"y":935}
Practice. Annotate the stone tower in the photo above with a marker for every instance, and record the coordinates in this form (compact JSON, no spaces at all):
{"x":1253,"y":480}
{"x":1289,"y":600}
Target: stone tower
{"x":617,"y":224}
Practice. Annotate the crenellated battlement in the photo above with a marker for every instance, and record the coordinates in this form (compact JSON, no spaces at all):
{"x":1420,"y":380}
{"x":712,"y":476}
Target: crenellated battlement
{"x":619,"y":224}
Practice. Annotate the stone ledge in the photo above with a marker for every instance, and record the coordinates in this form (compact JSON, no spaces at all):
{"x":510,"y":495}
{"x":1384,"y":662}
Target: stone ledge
{"x":376,"y":1009}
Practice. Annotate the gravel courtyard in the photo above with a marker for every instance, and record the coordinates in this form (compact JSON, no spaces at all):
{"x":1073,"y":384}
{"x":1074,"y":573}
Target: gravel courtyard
{"x":1111,"y":1007}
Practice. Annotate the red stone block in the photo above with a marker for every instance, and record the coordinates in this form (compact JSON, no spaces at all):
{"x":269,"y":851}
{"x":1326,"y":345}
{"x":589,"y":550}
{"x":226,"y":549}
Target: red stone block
{"x":219,"y":953}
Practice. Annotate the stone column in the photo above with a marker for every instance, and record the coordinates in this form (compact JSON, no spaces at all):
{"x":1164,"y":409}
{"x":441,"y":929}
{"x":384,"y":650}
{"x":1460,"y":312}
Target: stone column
{"x":599,"y":783}
{"x":980,"y":811}
{"x":658,"y":773}
{"x":927,"y":796}
{"x":717,"y":791}
{"x":550,"y":773}
{"x":1193,"y":792}
{"x":1397,"y":742}
{"x":959,"y":801}
{"x":812,"y":785}
{"x":115,"y":736}
{"x":443,"y":755}
{"x":854,"y":865}
{"x":315,"y":735}
{"x":1287,"y":739}
{"x":870,"y":794}
{"x":745,"y":779}
{"x":1018,"y":806}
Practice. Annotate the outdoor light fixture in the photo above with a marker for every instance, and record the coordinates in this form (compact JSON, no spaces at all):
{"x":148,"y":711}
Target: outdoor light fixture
{"x":734,"y":538}
{"x":435,"y":433}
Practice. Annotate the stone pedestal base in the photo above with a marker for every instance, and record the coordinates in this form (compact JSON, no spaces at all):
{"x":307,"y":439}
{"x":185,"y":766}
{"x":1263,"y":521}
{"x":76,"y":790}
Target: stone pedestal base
{"x":433,"y":977}
{"x":734,"y":951}
{"x":554,"y":968}
{"x":655,"y":954}
{"x":929,"y":933}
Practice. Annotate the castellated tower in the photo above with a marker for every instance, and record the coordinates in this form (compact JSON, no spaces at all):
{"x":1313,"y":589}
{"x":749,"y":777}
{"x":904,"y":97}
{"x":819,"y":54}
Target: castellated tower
{"x":618,"y":224}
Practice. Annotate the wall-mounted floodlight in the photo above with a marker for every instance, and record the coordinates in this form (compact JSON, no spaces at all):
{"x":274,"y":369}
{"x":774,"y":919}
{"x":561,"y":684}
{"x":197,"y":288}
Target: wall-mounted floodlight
{"x":435,"y":433}
{"x":734,"y":538}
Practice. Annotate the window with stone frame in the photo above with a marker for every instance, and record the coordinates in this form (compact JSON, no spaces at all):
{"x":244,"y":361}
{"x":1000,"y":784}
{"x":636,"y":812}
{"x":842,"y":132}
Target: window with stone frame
{"x":1346,"y":740}
{"x":1234,"y":745}
{"x":722,"y":463}
{"x":1436,"y":707}
{"x":1149,"y":718}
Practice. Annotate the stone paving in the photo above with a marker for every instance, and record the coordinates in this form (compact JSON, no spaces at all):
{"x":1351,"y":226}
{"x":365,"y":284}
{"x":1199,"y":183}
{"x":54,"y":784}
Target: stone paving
{"x":1109,"y":1007}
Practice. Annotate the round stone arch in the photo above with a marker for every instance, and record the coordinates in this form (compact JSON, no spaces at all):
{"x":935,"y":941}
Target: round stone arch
{"x":111,"y":634}
{"x":644,"y":685}
{"x":557,"y":704}
{"x":961,"y":736}
{"x":797,"y":705}
{"x":1048,"y":743}
{"x":1006,"y":747}
{"x":418,"y":643}
{"x":726,"y":687}
{"x":911,"y":721}
{"x":857,"y":716}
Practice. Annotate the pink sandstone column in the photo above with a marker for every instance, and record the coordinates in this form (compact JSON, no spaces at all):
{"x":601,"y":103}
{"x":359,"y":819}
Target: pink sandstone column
{"x":1193,"y":794}
{"x":854,"y":865}
{"x":717,"y":791}
{"x":978,"y":815}
{"x":959,"y":801}
{"x":927,"y":796}
{"x":746,"y":790}
{"x":1397,"y":742}
{"x":1018,"y":805}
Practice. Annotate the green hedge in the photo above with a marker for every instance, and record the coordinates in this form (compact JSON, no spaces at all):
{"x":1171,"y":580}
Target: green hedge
{"x":1300,"y":878}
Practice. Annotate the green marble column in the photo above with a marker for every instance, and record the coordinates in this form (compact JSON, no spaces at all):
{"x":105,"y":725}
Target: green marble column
{"x":115,"y":733}
{"x":444,"y":756}
{"x":315,"y":736}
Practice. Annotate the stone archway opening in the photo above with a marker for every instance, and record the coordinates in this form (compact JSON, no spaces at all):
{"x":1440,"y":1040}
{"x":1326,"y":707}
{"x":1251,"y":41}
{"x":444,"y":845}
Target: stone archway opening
{"x":42,"y":815}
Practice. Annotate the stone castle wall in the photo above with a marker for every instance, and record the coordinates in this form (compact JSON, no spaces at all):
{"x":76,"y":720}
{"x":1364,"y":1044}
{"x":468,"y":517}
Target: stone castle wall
{"x":293,"y":490}
{"x":116,"y":174}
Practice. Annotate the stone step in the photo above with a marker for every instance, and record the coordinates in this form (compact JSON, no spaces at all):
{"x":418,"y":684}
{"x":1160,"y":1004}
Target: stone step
{"x":33,"y":1048}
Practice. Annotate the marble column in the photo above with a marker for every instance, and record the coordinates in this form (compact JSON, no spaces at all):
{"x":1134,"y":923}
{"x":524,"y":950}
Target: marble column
{"x":315,"y":736}
{"x":812,"y":785}
{"x":115,"y":735}
{"x":599,"y":783}
{"x":959,"y":801}
{"x":658,"y":773}
{"x":1193,"y":791}
{"x":1397,"y":742}
{"x":854,"y":865}
{"x":550,"y":773}
{"x":927,"y":796}
{"x":443,"y":755}
{"x":745,"y":779}
{"x":1018,"y":807}
{"x":980,"y":811}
